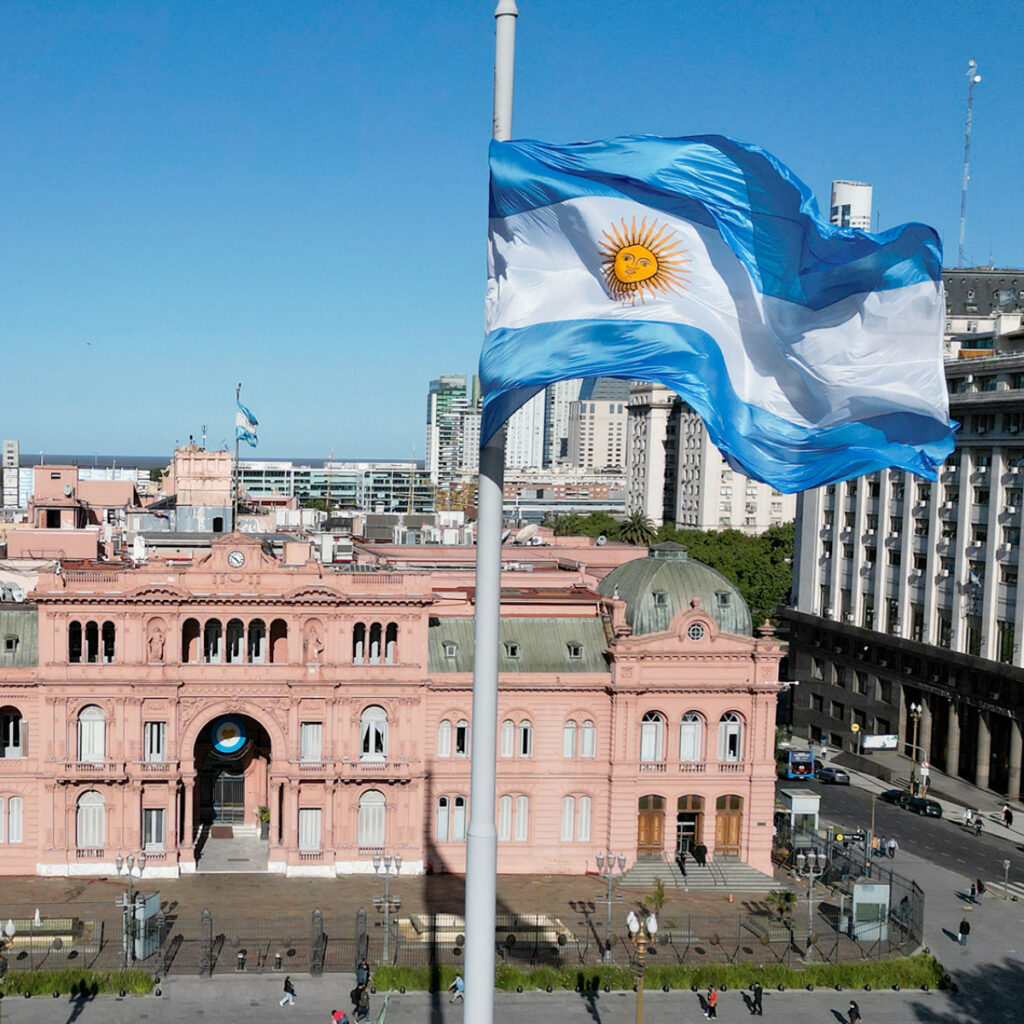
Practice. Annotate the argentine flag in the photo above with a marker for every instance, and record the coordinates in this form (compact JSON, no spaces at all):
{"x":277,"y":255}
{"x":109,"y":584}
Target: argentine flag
{"x":812,"y":353}
{"x":245,"y":426}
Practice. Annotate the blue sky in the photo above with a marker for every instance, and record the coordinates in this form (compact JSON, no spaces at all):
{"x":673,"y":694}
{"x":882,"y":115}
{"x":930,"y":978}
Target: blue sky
{"x":294,"y":195}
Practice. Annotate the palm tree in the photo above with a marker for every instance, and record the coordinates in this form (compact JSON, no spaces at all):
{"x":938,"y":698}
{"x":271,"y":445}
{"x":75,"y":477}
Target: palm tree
{"x":637,"y":529}
{"x":782,"y":901}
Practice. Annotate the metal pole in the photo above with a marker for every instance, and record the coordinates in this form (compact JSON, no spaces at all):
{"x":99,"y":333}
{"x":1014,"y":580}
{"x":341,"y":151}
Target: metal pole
{"x":641,"y":956}
{"x":1006,"y":879}
{"x":234,"y":507}
{"x":481,"y":835}
{"x":608,"y":924}
{"x":387,"y":915}
{"x":972,"y":77}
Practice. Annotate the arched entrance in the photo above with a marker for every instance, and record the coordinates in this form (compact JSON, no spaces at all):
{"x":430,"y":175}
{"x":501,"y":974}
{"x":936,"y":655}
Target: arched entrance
{"x":650,"y":826}
{"x":689,"y":822}
{"x":728,"y":825}
{"x":232,"y":757}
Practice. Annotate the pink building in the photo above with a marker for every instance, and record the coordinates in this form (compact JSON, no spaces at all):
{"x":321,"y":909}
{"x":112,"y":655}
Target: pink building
{"x":161,"y":700}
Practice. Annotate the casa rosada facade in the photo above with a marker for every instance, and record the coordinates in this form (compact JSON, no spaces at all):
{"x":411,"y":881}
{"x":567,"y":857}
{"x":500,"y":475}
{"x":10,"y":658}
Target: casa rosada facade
{"x":167,"y":698}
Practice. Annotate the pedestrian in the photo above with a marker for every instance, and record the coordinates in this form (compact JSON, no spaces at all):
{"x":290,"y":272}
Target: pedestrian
{"x":362,"y":1008}
{"x":964,"y":931}
{"x":362,"y":972}
{"x":980,"y":887}
{"x":289,"y":992}
{"x":458,"y":989}
{"x":968,"y":815}
{"x":681,"y":861}
{"x":339,"y":1017}
{"x":712,"y":1011}
{"x":756,"y":1009}
{"x":700,"y":854}
{"x":972,"y":895}
{"x":891,"y":847}
{"x":853,"y":1012}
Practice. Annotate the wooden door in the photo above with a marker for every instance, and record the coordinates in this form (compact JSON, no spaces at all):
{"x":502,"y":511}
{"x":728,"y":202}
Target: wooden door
{"x":650,"y":830}
{"x":728,"y":823}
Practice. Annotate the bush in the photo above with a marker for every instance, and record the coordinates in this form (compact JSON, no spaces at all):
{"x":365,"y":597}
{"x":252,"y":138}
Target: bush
{"x":907,"y":972}
{"x":72,"y":980}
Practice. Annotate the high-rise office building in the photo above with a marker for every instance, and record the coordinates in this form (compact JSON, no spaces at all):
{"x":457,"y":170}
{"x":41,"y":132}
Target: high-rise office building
{"x":851,"y":205}
{"x":558,"y":398}
{"x":446,"y":401}
{"x":597,"y":433}
{"x":524,"y":436}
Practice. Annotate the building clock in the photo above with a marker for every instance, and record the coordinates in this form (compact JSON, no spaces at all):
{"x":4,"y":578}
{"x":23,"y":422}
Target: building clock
{"x":236,"y":559}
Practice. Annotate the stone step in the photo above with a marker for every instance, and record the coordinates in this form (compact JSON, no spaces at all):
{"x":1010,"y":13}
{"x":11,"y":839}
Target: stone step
{"x":727,"y":876}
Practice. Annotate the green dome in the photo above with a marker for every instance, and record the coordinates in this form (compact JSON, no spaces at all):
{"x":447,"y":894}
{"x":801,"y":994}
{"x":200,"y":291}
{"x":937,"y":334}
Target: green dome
{"x":658,"y":587}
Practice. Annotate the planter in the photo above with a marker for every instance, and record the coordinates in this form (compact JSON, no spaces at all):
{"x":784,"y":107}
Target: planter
{"x":264,"y":830}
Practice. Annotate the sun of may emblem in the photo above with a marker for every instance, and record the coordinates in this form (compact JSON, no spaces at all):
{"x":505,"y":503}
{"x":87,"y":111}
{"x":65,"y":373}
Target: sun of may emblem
{"x":643,"y":261}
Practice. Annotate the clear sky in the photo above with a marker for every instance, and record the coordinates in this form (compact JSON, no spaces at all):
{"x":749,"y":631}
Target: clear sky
{"x":293,"y":195}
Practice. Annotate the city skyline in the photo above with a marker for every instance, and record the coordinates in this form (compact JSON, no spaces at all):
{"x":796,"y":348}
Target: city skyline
{"x":197,"y":195}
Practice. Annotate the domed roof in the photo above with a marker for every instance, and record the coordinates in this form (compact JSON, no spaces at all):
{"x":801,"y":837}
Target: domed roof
{"x":658,"y":587}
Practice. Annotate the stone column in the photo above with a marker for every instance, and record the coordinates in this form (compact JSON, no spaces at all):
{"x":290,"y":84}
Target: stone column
{"x":189,"y":782}
{"x":984,"y":751}
{"x":953,"y":739}
{"x":924,"y":733}
{"x":1016,"y":744}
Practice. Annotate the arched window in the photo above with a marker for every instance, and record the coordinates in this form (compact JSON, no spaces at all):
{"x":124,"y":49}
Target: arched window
{"x":190,"y":641}
{"x":257,"y":647}
{"x":90,"y":824}
{"x":92,"y":729}
{"x":391,"y":643}
{"x":459,"y":820}
{"x":212,"y":636}
{"x":569,"y":739}
{"x":107,"y":634}
{"x":278,"y":642}
{"x":691,"y":737}
{"x":462,"y":738}
{"x":373,"y":734}
{"x":505,"y":819}
{"x":12,"y":734}
{"x":583,"y":819}
{"x":444,"y":739}
{"x":375,"y":634}
{"x":235,"y":646}
{"x":443,"y":819}
{"x":370,"y":827}
{"x":524,"y":747}
{"x":588,"y":739}
{"x":75,"y":643}
{"x":730,"y":737}
{"x":358,"y":643}
{"x":14,"y":819}
{"x":575,"y":819}
{"x":568,"y":818}
{"x":522,"y":832}
{"x":652,"y":737}
{"x":92,"y":643}
{"x":508,"y":738}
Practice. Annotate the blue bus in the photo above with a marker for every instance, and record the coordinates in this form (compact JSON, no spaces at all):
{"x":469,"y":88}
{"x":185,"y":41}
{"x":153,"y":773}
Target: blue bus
{"x":796,"y":764}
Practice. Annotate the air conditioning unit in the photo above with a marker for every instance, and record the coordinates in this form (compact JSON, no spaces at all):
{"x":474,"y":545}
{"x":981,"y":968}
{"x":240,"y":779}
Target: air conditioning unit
{"x":945,"y":574}
{"x":893,"y":535}
{"x":1014,"y":471}
{"x":848,"y":616}
{"x":871,"y":533}
{"x":827,"y":554}
{"x":1013,"y":429}
{"x":1010,"y":510}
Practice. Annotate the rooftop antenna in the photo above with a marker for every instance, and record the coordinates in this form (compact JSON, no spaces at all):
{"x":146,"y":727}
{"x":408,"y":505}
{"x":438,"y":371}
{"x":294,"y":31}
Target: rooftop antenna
{"x":203,"y":431}
{"x":972,"y":79}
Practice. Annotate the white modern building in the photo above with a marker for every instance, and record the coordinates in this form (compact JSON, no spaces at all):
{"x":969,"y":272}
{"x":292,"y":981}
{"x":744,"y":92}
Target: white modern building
{"x":558,"y":399}
{"x":677,"y":475}
{"x":851,"y":205}
{"x":907,"y":600}
{"x":524,"y":435}
{"x":446,"y":401}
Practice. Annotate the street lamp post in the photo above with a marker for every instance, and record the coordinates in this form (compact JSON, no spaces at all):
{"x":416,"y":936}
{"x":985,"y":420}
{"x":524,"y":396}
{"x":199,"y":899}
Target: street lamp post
{"x":126,"y":866}
{"x":915,"y":714}
{"x":385,"y":904}
{"x":811,"y":866}
{"x":643,"y":932}
{"x":606,"y":865}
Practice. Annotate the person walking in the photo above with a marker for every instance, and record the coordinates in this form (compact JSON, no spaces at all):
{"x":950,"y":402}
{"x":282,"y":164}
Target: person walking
{"x":963,"y":932}
{"x":362,"y":1003}
{"x":756,"y":1009}
{"x":853,"y":1013}
{"x":973,"y":894}
{"x":711,"y":1013}
{"x":1007,"y":816}
{"x":700,"y":854}
{"x":458,"y":990}
{"x":289,"y":992}
{"x":892,"y":848}
{"x":362,"y":972}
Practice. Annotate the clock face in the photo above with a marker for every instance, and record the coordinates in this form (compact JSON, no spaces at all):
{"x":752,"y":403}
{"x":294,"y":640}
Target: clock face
{"x":236,"y":559}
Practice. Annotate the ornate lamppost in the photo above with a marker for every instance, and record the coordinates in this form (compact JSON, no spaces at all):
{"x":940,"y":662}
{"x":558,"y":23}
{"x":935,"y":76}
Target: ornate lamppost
{"x":811,"y":866}
{"x":126,"y":866}
{"x":385,"y":904}
{"x":606,"y":865}
{"x":642,"y":932}
{"x":915,"y":714}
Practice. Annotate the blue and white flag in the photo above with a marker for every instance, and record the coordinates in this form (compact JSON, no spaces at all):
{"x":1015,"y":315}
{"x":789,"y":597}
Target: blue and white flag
{"x":813,"y":353}
{"x":245,"y":426}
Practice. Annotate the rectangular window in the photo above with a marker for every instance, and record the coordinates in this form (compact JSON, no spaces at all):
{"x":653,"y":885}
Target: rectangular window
{"x":311,"y":741}
{"x":838,"y":710}
{"x":583,"y":819}
{"x":522,"y":819}
{"x":154,"y":739}
{"x":817,"y":702}
{"x":568,"y":818}
{"x":505,"y":819}
{"x":13,"y":820}
{"x":309,"y":828}
{"x":459,"y":820}
{"x":153,"y":837}
{"x":462,"y":739}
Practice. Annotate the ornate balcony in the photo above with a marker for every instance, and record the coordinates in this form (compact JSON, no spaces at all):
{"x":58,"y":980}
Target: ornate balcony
{"x":395,"y":768}
{"x":91,"y":769}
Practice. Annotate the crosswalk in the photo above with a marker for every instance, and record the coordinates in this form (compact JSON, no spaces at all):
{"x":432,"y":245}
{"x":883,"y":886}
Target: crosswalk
{"x":995,"y":890}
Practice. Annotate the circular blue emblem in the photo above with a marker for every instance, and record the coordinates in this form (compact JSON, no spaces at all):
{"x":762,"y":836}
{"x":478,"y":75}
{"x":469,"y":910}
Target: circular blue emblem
{"x":228,"y":735}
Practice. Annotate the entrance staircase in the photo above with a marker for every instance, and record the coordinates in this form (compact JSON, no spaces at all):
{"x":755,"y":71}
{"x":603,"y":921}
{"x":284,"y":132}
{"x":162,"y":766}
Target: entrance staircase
{"x":723,"y":875}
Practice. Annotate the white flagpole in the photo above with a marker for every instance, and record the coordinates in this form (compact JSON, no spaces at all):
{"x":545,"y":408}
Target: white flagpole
{"x":481,"y":836}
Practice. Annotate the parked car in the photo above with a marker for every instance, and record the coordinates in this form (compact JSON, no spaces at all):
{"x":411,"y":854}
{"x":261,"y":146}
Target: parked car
{"x":832,"y":774}
{"x":894,"y":796}
{"x":922,"y":805}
